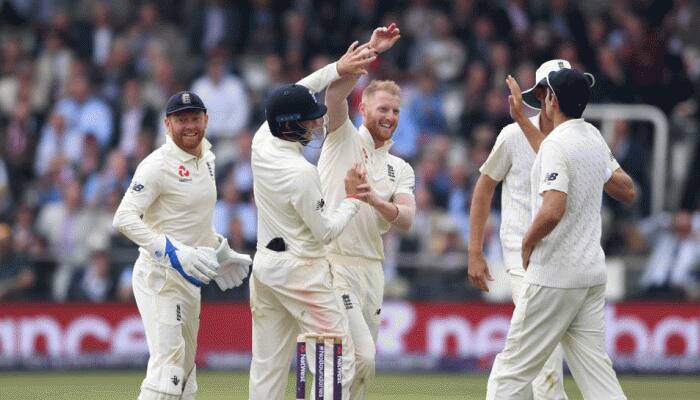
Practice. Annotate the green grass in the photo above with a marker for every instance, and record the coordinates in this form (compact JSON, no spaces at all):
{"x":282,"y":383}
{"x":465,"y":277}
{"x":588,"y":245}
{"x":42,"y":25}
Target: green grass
{"x":234,"y":386}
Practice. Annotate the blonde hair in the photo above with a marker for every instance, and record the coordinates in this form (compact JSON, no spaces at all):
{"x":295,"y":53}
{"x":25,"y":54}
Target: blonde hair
{"x":381,"y":86}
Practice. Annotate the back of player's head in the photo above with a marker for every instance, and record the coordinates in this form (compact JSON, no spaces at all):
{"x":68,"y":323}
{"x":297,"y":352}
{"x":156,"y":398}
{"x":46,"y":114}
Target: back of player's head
{"x":381,"y":86}
{"x":572,"y":89}
{"x":287,"y":107}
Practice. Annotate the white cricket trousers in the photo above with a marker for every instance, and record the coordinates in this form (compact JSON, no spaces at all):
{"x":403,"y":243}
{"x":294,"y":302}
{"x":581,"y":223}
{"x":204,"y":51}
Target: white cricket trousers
{"x":543,"y":317}
{"x":549,"y":382}
{"x":290,"y":296}
{"x":169,"y":307}
{"x":359,"y":284}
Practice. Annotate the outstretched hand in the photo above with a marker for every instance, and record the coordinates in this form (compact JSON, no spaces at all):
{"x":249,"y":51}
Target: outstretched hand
{"x":383,"y":38}
{"x":515,"y":100}
{"x":355,"y":60}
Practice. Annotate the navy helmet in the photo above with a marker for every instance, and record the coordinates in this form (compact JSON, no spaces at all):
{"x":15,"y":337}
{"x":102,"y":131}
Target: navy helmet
{"x":289,"y":105}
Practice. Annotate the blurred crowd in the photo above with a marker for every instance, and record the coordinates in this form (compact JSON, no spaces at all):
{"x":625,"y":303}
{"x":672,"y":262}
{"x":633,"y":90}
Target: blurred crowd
{"x":83,"y":84}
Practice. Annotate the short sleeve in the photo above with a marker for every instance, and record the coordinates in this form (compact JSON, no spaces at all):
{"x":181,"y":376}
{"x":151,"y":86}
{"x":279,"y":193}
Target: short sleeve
{"x":499,"y":161}
{"x":406,"y":181}
{"x":554,"y":171}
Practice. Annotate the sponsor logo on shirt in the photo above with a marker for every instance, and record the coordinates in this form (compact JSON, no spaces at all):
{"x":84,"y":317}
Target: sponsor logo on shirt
{"x":184,"y":173}
{"x":550,"y":176}
{"x":364,"y":154}
{"x":390,"y":171}
{"x":320,"y":204}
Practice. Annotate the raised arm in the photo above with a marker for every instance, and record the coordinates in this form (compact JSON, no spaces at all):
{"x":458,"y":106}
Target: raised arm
{"x":353,"y":62}
{"x":383,"y":38}
{"x":478,"y":270}
{"x":515,"y":102}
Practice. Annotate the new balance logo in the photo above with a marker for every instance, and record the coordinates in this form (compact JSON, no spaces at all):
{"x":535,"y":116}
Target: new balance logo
{"x":178,"y":314}
{"x":320,"y":204}
{"x":174,"y":380}
{"x":137,"y":187}
{"x":347,"y":302}
{"x":548,"y":177}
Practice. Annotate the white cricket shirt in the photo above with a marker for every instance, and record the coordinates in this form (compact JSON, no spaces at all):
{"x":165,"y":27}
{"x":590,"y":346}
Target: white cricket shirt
{"x":175,"y":192}
{"x":288,"y":190}
{"x":572,"y":159}
{"x":511,"y":161}
{"x":387,"y":174}
{"x":289,"y":200}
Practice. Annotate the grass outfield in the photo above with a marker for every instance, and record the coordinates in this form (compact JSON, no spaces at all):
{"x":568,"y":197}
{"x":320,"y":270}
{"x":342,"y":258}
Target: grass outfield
{"x":234,"y":386}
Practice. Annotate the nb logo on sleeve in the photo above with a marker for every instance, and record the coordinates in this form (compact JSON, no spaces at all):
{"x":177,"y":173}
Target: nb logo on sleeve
{"x":551,"y":176}
{"x":137,"y":187}
{"x":320,"y":204}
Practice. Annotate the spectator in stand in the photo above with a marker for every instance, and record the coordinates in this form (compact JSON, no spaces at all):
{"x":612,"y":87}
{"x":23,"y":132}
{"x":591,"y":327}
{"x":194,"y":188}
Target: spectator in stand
{"x":134,"y":119}
{"x":227,"y":106}
{"x":94,"y":282}
{"x":66,"y":226}
{"x":16,"y":274}
{"x":218,"y":22}
{"x":84,"y":112}
{"x":56,"y":141}
{"x":427,"y":107}
{"x":118,"y":67}
{"x":114,"y":175}
{"x":675,"y":254}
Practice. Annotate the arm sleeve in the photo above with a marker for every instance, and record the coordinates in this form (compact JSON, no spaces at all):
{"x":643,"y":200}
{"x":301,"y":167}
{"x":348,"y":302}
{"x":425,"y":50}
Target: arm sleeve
{"x":499,"y":161}
{"x":339,"y":136}
{"x":554,"y":169}
{"x":319,"y":80}
{"x":143,"y":191}
{"x":407,"y":181}
{"x":308,"y":202}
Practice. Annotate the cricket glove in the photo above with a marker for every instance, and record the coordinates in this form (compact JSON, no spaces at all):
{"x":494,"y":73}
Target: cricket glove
{"x":198,"y":265}
{"x":234,"y":266}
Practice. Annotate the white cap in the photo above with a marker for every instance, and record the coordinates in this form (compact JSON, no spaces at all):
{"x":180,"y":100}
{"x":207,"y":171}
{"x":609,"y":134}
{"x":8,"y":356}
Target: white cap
{"x":541,"y":79}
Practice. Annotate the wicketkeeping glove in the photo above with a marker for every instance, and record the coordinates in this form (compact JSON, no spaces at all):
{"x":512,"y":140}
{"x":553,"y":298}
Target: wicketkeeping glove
{"x":234,"y":266}
{"x":197,"y":265}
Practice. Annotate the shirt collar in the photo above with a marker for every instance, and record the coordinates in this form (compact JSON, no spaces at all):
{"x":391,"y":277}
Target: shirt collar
{"x":286,"y":144}
{"x":369,"y":141}
{"x":568,"y":123}
{"x":182,"y":155}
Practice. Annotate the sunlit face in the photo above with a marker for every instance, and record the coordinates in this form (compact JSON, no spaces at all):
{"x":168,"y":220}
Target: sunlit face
{"x":187,"y":129}
{"x":380,"y":113}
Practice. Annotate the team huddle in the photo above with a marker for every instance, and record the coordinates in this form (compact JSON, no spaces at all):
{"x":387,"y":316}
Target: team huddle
{"x":318,"y":263}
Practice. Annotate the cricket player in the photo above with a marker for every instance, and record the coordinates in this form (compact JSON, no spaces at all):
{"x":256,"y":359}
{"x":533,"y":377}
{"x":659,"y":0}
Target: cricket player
{"x":167,"y":211}
{"x":291,"y":290}
{"x":511,"y":162}
{"x":356,"y":255}
{"x":562,"y":298}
